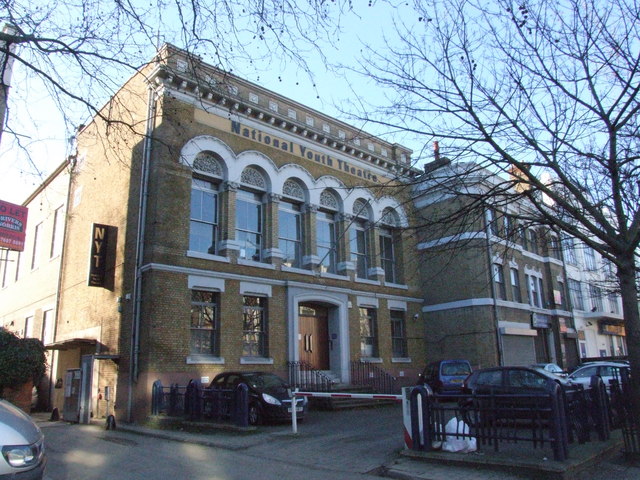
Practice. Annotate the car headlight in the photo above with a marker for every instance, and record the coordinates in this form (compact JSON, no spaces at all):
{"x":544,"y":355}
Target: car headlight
{"x":20,"y":455}
{"x":271,"y":400}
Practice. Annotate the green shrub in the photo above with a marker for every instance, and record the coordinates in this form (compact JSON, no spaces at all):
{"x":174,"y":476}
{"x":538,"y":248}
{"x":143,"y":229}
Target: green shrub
{"x":21,"y":360}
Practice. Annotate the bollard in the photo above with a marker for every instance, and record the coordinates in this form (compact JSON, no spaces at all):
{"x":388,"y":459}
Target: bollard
{"x":241,"y":406}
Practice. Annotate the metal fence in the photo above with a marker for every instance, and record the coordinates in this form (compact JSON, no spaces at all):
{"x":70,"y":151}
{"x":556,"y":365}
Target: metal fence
{"x":194,"y":403}
{"x":623,"y":412}
{"x":304,"y":377}
{"x":366,"y":374}
{"x":553,"y":418}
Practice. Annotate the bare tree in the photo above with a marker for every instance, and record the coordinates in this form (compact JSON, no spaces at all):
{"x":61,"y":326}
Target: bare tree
{"x":541,"y":93}
{"x":82,"y":52}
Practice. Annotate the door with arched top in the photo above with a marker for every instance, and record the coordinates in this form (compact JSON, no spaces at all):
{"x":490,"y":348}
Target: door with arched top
{"x":314,"y":335}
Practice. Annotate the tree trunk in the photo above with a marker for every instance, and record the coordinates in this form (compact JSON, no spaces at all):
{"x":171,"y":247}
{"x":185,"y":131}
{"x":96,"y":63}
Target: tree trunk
{"x":629,"y":293}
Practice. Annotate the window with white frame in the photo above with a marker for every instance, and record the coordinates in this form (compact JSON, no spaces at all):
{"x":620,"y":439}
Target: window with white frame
{"x":203,"y":230}
{"x":37,"y":240}
{"x":387,"y":255}
{"x":534,"y":290}
{"x":595,"y":294}
{"x":575,"y":293}
{"x":516,"y":293}
{"x":254,"y":327}
{"x":290,"y":234}
{"x":492,"y":222}
{"x":498,"y":281}
{"x":368,"y":332}
{"x":589,"y":258}
{"x":47,"y":327}
{"x":249,"y":224}
{"x":613,"y":303}
{"x":532,"y":243}
{"x":28,"y":327}
{"x":326,"y":240}
{"x":359,"y":247}
{"x":398,"y":334}
{"x":57,"y":232}
{"x":204,"y":330}
{"x":569,"y":249}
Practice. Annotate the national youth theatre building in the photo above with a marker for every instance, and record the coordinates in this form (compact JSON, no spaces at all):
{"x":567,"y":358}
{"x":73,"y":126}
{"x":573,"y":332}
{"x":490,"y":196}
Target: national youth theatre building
{"x":241,"y":230}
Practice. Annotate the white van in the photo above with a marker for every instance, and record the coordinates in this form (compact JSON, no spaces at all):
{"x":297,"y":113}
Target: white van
{"x":22,"y":445}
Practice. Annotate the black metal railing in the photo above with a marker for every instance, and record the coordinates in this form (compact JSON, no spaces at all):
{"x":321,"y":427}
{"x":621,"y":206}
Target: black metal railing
{"x":623,"y":413}
{"x":194,"y":403}
{"x":369,"y":375}
{"x":552,"y":418}
{"x":304,"y":377}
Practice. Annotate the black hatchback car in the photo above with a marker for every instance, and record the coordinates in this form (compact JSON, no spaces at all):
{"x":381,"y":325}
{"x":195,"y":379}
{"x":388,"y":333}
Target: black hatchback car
{"x":268,"y":395}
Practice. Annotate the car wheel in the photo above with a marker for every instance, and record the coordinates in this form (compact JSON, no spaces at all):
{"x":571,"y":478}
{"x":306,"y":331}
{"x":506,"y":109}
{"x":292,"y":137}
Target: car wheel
{"x":255,"y":416}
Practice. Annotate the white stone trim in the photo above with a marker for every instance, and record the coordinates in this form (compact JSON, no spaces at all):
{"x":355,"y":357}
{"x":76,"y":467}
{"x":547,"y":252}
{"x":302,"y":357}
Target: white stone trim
{"x":247,"y":288}
{"x":206,"y":283}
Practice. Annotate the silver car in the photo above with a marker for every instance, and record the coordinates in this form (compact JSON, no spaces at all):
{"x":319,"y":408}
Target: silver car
{"x":606,"y":370}
{"x":22,"y":445}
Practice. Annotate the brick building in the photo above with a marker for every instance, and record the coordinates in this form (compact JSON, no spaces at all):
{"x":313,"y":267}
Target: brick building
{"x":505,"y":300}
{"x":214,"y":225}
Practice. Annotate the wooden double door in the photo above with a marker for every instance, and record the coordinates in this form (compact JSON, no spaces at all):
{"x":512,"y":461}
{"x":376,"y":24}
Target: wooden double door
{"x":313,"y":324}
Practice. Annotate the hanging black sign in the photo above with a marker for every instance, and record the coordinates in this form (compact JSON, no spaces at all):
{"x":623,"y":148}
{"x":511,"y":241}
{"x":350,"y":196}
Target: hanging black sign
{"x":98,"y":258}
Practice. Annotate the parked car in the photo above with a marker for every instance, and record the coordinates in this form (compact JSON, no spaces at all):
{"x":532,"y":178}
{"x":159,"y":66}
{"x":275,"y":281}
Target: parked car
{"x":518,"y":393}
{"x":22,"y":445}
{"x":551,"y":368}
{"x":445,"y":376}
{"x":606,"y":370}
{"x":268,"y":395}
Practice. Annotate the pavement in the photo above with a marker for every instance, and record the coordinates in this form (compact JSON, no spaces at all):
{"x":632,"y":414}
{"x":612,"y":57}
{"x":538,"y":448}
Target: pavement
{"x":328,"y":435}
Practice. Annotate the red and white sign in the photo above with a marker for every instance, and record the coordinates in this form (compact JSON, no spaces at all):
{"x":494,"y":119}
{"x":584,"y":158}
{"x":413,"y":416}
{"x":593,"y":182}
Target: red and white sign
{"x":13,"y":225}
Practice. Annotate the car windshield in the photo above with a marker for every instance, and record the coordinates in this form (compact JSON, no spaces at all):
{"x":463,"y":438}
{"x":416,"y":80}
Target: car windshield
{"x":456,"y":368}
{"x":264,"y":381}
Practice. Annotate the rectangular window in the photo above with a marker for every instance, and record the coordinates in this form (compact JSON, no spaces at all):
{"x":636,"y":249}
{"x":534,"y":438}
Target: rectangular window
{"x":398,"y":334}
{"x":533,"y":290}
{"x":58,"y":232}
{"x":387,"y":256}
{"x":596,"y":298}
{"x":498,"y":280}
{"x":326,"y":241}
{"x":542,"y":299}
{"x":35,"y":255}
{"x":249,"y":225}
{"x":203,"y":229}
{"x":568,"y":246}
{"x":47,"y":327}
{"x":359,"y":249}
{"x":613,"y":303}
{"x":563,"y":295}
{"x":508,"y":229}
{"x":290,"y":234}
{"x":589,"y":258}
{"x":515,"y":285}
{"x":368,"y":333}
{"x":205,"y":336}
{"x":254,"y":327}
{"x":575,"y":293}
{"x":492,"y":222}
{"x":554,"y":248}
{"x":28,"y":327}
{"x":533,"y":242}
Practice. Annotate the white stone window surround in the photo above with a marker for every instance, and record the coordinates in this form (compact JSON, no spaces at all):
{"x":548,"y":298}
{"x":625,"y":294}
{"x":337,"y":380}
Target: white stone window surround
{"x":201,"y":282}
{"x":232,"y":166}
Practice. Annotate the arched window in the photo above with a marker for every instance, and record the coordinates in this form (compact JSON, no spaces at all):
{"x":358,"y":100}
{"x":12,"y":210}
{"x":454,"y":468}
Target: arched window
{"x":326,"y":231}
{"x":250,"y":214}
{"x":203,"y":229}
{"x":390,"y":221}
{"x":358,"y":238}
{"x":290,"y":233}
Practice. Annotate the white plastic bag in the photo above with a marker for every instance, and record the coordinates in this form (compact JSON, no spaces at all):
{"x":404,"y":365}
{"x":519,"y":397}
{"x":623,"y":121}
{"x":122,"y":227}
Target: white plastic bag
{"x":455,"y":442}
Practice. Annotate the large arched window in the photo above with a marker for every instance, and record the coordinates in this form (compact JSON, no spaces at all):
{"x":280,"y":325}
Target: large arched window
{"x":387,"y":243}
{"x":358,"y":238}
{"x":326,"y":231}
{"x":290,"y":233}
{"x":250,"y":214}
{"x":204,"y":228}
